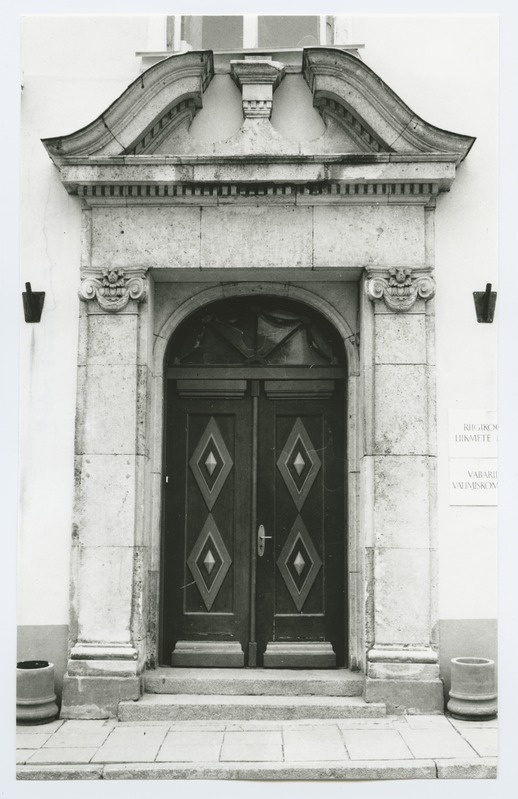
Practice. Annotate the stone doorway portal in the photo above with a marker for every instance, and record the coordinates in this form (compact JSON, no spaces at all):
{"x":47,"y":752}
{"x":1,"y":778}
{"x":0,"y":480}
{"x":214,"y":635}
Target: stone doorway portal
{"x":343,"y":224}
{"x":254,"y":536}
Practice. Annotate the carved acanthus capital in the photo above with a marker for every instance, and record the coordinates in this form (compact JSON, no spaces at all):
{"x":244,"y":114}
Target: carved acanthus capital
{"x":399,"y":287}
{"x":114,"y":288}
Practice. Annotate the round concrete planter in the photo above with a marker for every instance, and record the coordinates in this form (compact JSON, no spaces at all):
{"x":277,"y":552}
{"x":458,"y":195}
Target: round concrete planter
{"x":473,"y":689}
{"x":35,"y":697}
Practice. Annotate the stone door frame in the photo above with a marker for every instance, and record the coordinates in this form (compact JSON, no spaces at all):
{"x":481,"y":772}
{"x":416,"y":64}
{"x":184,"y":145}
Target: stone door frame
{"x":390,"y":456}
{"x":267,"y":286}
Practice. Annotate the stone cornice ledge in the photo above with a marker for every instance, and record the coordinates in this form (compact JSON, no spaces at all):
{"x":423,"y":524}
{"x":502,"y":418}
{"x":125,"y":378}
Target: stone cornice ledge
{"x":375,"y":169}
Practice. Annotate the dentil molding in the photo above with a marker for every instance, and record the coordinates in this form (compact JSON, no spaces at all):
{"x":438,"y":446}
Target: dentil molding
{"x":399,"y":287}
{"x":114,"y":288}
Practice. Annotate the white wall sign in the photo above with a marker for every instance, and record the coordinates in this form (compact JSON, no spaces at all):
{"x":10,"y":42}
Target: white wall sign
{"x":473,"y":434}
{"x":473,"y":481}
{"x":473,"y":440}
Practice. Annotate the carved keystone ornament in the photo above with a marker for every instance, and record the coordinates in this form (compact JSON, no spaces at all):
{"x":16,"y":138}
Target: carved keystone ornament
{"x":114,"y":289}
{"x":399,"y":287}
{"x":257,"y":78}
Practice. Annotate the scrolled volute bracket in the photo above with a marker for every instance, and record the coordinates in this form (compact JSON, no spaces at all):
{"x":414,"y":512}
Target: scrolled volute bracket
{"x":114,"y":288}
{"x":399,"y":287}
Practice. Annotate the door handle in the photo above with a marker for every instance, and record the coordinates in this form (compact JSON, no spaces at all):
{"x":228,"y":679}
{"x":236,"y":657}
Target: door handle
{"x":261,"y":538}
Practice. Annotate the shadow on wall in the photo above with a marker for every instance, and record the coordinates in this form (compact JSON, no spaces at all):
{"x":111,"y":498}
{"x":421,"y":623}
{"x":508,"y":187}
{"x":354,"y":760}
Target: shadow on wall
{"x":465,"y":638}
{"x":45,"y":642}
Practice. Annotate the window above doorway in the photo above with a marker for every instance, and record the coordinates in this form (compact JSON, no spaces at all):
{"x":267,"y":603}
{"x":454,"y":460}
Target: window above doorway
{"x":234,"y":32}
{"x":248,"y":332}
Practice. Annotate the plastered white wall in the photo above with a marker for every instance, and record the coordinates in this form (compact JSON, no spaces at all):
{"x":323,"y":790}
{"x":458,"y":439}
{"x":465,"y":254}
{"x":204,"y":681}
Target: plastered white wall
{"x":73,"y":68}
{"x":445,"y":69}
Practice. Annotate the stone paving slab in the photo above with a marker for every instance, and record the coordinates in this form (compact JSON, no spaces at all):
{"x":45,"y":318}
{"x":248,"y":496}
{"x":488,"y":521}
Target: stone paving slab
{"x":301,"y":745}
{"x":434,"y":722}
{"x":484,"y":742}
{"x":69,"y":737}
{"x":185,"y":725}
{"x":257,"y":726}
{"x":385,"y":723}
{"x":62,"y":755}
{"x":190,"y":745}
{"x":23,"y":755}
{"x":90,"y":725}
{"x":437,"y":744}
{"x":131,"y":744}
{"x":461,"y":724}
{"x":376,"y":745}
{"x":252,"y":746}
{"x":394,"y":747}
{"x":50,"y":727}
{"x":31,"y":740}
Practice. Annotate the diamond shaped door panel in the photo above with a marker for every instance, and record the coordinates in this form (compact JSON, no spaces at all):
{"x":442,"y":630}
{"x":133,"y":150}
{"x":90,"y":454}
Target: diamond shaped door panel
{"x":209,"y":562}
{"x":299,"y":464}
{"x":303,"y":508}
{"x":254,"y":440}
{"x":206,"y":530}
{"x":299,"y":563}
{"x":211,"y":530}
{"x":211,"y":463}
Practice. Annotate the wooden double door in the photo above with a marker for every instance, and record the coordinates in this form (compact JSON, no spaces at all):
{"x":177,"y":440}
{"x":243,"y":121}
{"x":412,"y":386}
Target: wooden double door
{"x":254,"y":523}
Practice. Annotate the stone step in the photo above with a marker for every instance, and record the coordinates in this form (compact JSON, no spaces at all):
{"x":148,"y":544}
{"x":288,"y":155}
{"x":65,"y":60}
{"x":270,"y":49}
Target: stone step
{"x":168,"y":707}
{"x":254,"y":682}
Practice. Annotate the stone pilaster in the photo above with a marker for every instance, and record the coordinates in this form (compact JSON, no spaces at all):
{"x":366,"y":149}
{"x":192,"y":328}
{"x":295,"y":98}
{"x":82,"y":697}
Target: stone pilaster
{"x":107,"y":650}
{"x":398,"y":473}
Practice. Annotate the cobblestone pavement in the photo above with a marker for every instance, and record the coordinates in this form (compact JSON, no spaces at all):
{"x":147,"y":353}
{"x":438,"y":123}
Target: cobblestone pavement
{"x":393,"y":747}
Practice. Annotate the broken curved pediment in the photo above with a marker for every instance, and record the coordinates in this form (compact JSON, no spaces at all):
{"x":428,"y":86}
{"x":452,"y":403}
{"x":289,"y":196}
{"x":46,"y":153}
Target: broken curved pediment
{"x":148,"y":110}
{"x":361,"y":113}
{"x":345,"y":88}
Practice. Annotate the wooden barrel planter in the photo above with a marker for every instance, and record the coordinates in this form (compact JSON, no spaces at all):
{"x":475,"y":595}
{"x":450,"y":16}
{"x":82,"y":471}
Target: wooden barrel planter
{"x":35,"y":697}
{"x":473,"y":689}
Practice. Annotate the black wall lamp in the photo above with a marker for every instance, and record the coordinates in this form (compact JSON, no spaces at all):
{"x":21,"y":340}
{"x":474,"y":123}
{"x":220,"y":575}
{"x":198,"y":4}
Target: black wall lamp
{"x":32,"y":303}
{"x":485,"y":302}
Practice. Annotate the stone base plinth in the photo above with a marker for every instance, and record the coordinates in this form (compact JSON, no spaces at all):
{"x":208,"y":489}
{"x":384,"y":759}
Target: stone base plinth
{"x":307,"y":655}
{"x":406,"y":696}
{"x":98,"y":677}
{"x":405,"y":677}
{"x":208,"y":654}
{"x":97,"y":697}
